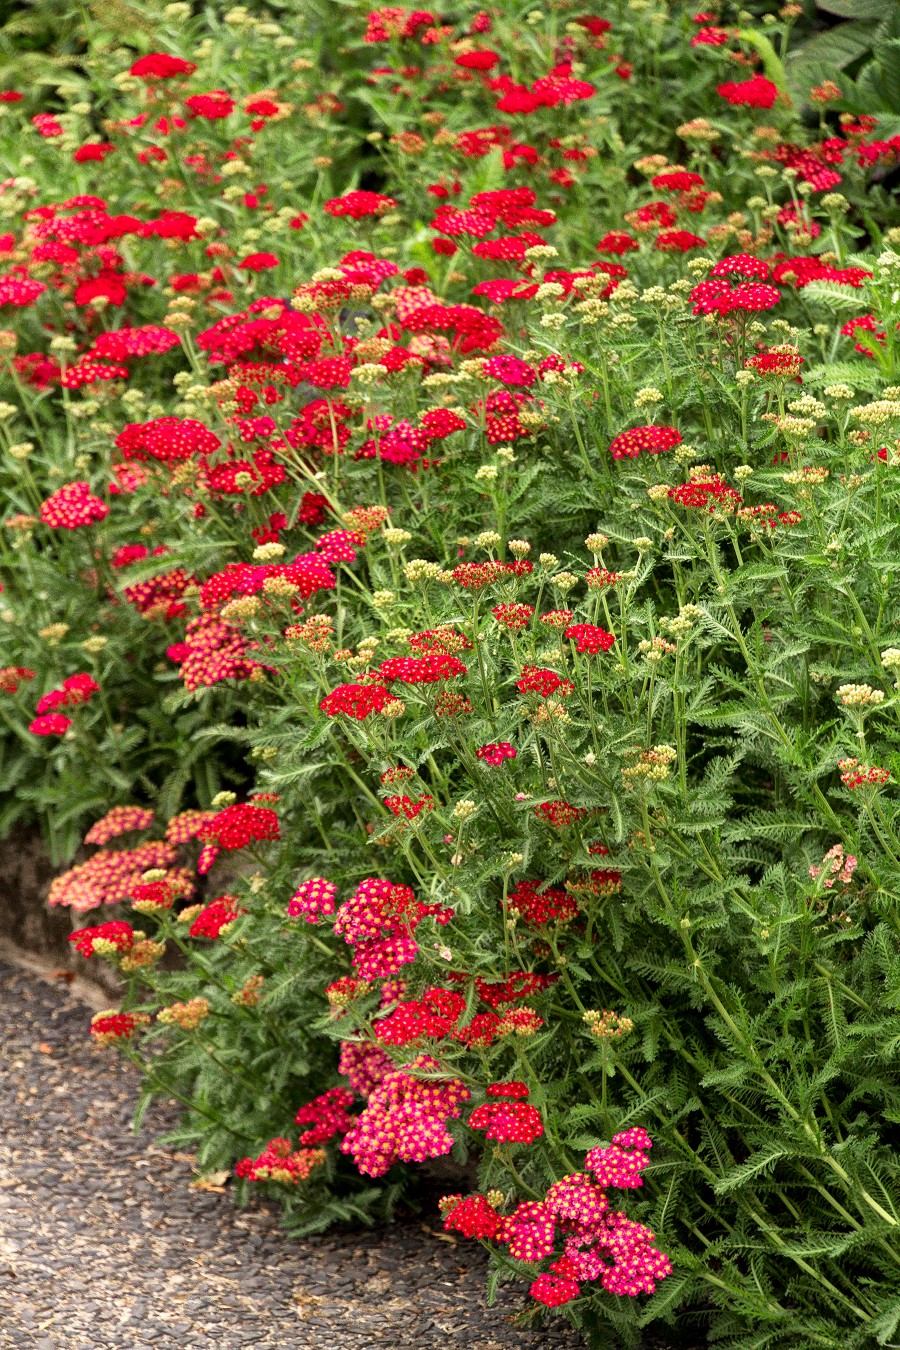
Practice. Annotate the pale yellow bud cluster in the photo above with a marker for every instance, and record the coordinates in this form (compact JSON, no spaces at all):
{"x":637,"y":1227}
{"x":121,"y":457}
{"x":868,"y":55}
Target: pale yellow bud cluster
{"x":54,"y":633}
{"x":269,"y":552}
{"x":811,"y":475}
{"x":654,"y":651}
{"x":877,"y":414}
{"x":419,"y":571}
{"x":550,"y":710}
{"x":315,"y":633}
{"x":370,"y":372}
{"x":683,"y":621}
{"x":653,"y":766}
{"x":243,"y":607}
{"x":698,"y":129}
{"x":859,"y":695}
{"x":487,"y":539}
{"x":606,"y":1025}
{"x":807,"y":406}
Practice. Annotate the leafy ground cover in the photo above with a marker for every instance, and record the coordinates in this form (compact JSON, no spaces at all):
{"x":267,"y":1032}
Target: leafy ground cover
{"x":451,"y":478}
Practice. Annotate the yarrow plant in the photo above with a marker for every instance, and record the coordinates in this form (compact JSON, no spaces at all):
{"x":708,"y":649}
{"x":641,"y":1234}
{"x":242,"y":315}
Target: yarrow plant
{"x":457,"y":615}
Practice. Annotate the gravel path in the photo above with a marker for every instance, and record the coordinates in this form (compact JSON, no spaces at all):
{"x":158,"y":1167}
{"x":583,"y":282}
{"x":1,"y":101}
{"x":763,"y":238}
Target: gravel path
{"x":104,"y":1244}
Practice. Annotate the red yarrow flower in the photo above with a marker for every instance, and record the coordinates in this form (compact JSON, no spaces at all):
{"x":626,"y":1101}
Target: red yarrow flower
{"x":161,"y":66}
{"x":590,"y":638}
{"x":215,"y":917}
{"x":356,"y":700}
{"x":757,"y":92}
{"x":72,"y":506}
{"x":51,"y":724}
{"x":240,"y":824}
{"x":357,"y":205}
{"x":651,"y":439}
{"x":495,"y":752}
{"x":259,"y":262}
{"x":508,"y":1122}
{"x":212,"y":107}
{"x":554,"y":1290}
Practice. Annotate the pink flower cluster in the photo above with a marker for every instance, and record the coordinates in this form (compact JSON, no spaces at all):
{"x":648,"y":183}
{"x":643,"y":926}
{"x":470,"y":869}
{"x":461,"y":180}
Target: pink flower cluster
{"x":71,"y":506}
{"x":120,"y":820}
{"x":598,"y":1243}
{"x":836,"y":866}
{"x":406,"y":1119}
{"x":312,"y":900}
{"x":364,"y":1065}
{"x":378,"y":922}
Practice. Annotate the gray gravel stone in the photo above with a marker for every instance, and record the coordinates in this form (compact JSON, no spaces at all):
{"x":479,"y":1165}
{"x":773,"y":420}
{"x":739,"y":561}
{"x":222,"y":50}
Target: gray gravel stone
{"x":103,"y":1246}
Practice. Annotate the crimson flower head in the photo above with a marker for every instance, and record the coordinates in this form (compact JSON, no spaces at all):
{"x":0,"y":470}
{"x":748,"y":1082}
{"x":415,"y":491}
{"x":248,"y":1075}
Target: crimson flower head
{"x":12,"y":676}
{"x":743,"y":265}
{"x":75,"y":689}
{"x":109,"y":1027}
{"x":216,"y":916}
{"x":116,"y":934}
{"x":559,"y":813}
{"x":677,"y":180}
{"x":508,"y":1122}
{"x":495,"y":752}
{"x":421,"y":669}
{"x":239,"y":825}
{"x":94,"y":152}
{"x":757,"y":92}
{"x":712,"y":494}
{"x":554,"y":1290}
{"x":512,"y":615}
{"x":359,"y":204}
{"x":537,"y":680}
{"x":72,"y":506}
{"x":212,"y":107}
{"x":51,"y":724}
{"x":652,"y":440}
{"x":161,"y":66}
{"x":312,"y":900}
{"x":783,"y":363}
{"x":513,"y":1089}
{"x":473,"y":1216}
{"x":716,"y":296}
{"x":259,"y":262}
{"x":617,"y":242}
{"x":590,"y":638}
{"x":480,"y":60}
{"x":356,"y":700}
